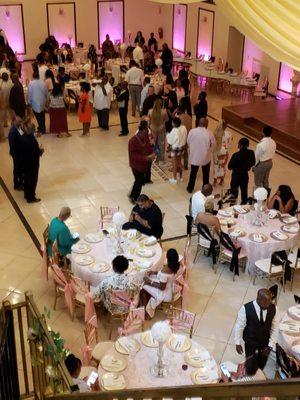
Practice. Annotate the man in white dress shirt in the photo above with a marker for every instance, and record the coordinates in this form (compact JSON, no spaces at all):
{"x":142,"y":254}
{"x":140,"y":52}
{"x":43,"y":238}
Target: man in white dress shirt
{"x":138,"y":55}
{"x":134,"y":76}
{"x":257,"y":324}
{"x":264,"y":153}
{"x":199,"y":199}
{"x":102,"y":100}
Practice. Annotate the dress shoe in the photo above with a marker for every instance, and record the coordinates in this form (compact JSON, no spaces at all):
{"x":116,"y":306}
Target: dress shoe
{"x":34,"y":200}
{"x":148,"y":182}
{"x":132,"y":201}
{"x":189,"y":190}
{"x":20,"y":188}
{"x":123,"y":134}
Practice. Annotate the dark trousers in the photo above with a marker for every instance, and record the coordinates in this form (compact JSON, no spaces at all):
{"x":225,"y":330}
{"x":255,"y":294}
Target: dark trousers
{"x":123,"y":120}
{"x":242,"y":183}
{"x":139,"y":179}
{"x":103,"y":118}
{"x":40,"y":117}
{"x":148,"y":173}
{"x":18,"y":173}
{"x":193,"y":175}
{"x":30,"y":182}
{"x":251,"y":349}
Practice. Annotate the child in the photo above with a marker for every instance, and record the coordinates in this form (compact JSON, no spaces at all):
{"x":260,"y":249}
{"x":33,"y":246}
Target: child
{"x":85,"y":108}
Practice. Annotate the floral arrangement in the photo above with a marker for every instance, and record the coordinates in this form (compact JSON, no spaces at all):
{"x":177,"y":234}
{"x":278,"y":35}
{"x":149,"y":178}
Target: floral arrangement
{"x":161,"y":331}
{"x":260,"y":194}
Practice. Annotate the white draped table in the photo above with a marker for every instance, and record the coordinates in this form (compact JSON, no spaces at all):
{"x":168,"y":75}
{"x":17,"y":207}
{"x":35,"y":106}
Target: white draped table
{"x":137,"y":373}
{"x":287,"y":341}
{"x":104,"y":251}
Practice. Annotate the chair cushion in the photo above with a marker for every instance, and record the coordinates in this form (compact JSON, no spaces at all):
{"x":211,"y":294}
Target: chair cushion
{"x":80,"y":298}
{"x":264,"y":265}
{"x":101,"y":348}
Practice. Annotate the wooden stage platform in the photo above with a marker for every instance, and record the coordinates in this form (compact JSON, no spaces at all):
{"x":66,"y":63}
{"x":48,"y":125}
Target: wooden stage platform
{"x":279,"y":114}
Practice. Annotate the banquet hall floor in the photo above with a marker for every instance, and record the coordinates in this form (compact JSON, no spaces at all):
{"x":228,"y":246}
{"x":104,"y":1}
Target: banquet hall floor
{"x":85,"y":173}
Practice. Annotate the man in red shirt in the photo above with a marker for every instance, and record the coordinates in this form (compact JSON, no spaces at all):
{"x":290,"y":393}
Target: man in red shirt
{"x":140,"y":154}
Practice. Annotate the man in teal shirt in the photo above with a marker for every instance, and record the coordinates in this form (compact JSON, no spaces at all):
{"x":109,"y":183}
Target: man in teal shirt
{"x":59,"y":232}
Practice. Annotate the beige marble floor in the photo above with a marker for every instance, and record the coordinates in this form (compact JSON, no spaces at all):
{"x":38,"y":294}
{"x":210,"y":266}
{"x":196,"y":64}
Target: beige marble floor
{"x":85,"y":173}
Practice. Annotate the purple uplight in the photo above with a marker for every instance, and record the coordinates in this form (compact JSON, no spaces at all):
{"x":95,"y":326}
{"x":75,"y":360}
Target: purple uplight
{"x":286,"y":73}
{"x":111,"y":20}
{"x":179,"y":27}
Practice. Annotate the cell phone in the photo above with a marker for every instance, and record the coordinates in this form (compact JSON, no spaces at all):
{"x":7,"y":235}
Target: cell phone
{"x":225,"y":371}
{"x":92,"y":378}
{"x":105,"y":232}
{"x":76,"y":235}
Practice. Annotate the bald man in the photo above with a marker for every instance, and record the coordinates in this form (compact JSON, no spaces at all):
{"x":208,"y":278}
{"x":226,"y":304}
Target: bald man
{"x":257,"y":325}
{"x":60,"y":233}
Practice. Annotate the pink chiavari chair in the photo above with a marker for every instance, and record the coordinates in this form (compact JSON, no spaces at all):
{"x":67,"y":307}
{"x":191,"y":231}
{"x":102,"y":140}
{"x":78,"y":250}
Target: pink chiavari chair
{"x":84,"y":298}
{"x":134,"y":322}
{"x":106,"y":215}
{"x":63,"y":288}
{"x":182,"y":320}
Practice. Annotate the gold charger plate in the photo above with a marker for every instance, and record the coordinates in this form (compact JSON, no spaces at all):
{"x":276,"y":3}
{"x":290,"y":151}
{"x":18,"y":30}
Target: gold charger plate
{"x":241,"y":233}
{"x":94,"y":237}
{"x":147,"y":339}
{"x":81,"y":248}
{"x":123,"y":350}
{"x":113,"y":381}
{"x":84,"y":260}
{"x":112,"y":364}
{"x":100,"y":267}
{"x":202,"y":376}
{"x":197,"y":358}
{"x":179,"y":343}
{"x":263,"y":237}
{"x":275,"y":237}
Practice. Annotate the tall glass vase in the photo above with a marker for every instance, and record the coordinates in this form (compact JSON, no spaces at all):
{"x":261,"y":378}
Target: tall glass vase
{"x":119,"y":249}
{"x":159,"y":369}
{"x":259,"y":221}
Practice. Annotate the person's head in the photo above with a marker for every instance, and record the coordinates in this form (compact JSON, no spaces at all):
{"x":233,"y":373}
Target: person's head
{"x":18,"y":121}
{"x":169,"y":79}
{"x":61,"y":70}
{"x":176,"y":122}
{"x":207,"y":189}
{"x":183,"y":74}
{"x":57,"y":90}
{"x":120,"y":264}
{"x":165,"y":46}
{"x":252,"y":365}
{"x":209,"y":206}
{"x":264,"y":298}
{"x":285,"y":193}
{"x":203,"y":123}
{"x":132,"y":63}
{"x":35,"y":74}
{"x":139,"y":34}
{"x":173,"y":260}
{"x":143,"y":201}
{"x":152,"y":35}
{"x":85,"y":87}
{"x":65,"y":213}
{"x":105,"y":79}
{"x":40,"y":59}
{"x":49,"y":74}
{"x":5,"y":77}
{"x":243,"y":143}
{"x":267,"y":131}
{"x":151,"y":90}
{"x":202,"y":96}
{"x":146,"y":81}
{"x":107,"y":37}
{"x":73,"y":365}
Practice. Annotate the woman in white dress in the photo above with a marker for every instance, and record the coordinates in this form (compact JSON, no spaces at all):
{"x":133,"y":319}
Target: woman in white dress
{"x":221,"y":151}
{"x":158,"y":286}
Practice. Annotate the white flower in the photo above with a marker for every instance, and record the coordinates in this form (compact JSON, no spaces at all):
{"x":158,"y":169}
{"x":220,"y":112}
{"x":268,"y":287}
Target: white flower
{"x":161,"y":331}
{"x":40,"y":348}
{"x":50,"y":371}
{"x":31,"y":334}
{"x":158,"y":62}
{"x":260,"y":194}
{"x":119,"y":218}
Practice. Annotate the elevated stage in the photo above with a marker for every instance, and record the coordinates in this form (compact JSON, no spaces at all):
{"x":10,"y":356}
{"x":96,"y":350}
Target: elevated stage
{"x":279,"y":114}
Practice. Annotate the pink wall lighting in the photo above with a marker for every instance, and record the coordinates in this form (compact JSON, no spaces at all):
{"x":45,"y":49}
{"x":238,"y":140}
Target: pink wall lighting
{"x":11,"y":21}
{"x":205,"y":33}
{"x":179,"y":26}
{"x":286,"y":73}
{"x":62,"y":23}
{"x":110,"y":21}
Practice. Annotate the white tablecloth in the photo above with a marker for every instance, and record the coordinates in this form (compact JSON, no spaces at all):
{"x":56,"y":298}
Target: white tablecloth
{"x":287,"y":341}
{"x":104,"y":252}
{"x":138,"y":374}
{"x":257,"y":251}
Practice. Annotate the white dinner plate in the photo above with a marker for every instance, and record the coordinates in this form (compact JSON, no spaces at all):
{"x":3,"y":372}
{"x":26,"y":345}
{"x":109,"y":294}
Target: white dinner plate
{"x":224,"y":213}
{"x":277,"y":235}
{"x":113,"y":381}
{"x":290,"y":228}
{"x":84,"y":259}
{"x":145,"y":253}
{"x":113,"y":364}
{"x":94,"y":237}
{"x":81,"y":248}
{"x":179,"y":343}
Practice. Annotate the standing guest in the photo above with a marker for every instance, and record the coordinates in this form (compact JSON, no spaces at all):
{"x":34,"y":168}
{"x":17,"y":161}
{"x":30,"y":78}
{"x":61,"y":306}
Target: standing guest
{"x":201,"y":143}
{"x":200,"y":108}
{"x":134,"y":76}
{"x":149,"y":63}
{"x":220,"y":154}
{"x":144,"y":93}
{"x":102,"y":100}
{"x":58,"y":112}
{"x":186,"y":120}
{"x":5,"y":90}
{"x":108,"y":49}
{"x":49,"y":80}
{"x":149,"y":101}
{"x":179,"y":90}
{"x":123,"y":99}
{"x":257,"y":325}
{"x":240,"y":163}
{"x":139,"y":38}
{"x":16,"y":97}
{"x":138,"y":55}
{"x":146,"y":217}
{"x":31,"y":153}
{"x":60,"y":234}
{"x":85,"y":108}
{"x":283,"y":200}
{"x":42,"y":67}
{"x":158,"y":117}
{"x":140,"y":155}
{"x":167,"y":59}
{"x":152,"y":43}
{"x":37,"y":99}
{"x":264,"y":154}
{"x":62,"y":77}
{"x":15,"y":150}
{"x":185,"y":82}
{"x":177,"y":141}
{"x":2,"y":135}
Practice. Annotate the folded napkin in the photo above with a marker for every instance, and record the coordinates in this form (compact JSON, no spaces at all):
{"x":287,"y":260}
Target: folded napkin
{"x":272,"y":214}
{"x":150,"y":241}
{"x":257,"y":238}
{"x":143,"y":264}
{"x":178,"y":342}
{"x":145,"y":252}
{"x":291,"y":229}
{"x":225,"y":213}
{"x":279,"y":235}
{"x":236,"y":233}
{"x":239,"y":209}
{"x":290,"y":220}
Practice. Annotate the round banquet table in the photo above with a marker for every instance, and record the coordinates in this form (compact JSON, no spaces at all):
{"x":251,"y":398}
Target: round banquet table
{"x":257,"y":251}
{"x":137,"y":373}
{"x":287,"y":341}
{"x":104,"y":252}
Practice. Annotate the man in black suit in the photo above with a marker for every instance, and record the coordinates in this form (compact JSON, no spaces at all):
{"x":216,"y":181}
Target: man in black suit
{"x":149,"y":101}
{"x":14,"y":139}
{"x":31,"y":153}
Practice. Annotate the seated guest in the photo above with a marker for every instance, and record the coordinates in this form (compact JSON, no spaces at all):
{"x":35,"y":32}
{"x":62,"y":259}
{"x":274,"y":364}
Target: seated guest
{"x":73,"y":365}
{"x":149,"y":100}
{"x":145,"y":217}
{"x":283,"y":200}
{"x":159,"y":286}
{"x":199,"y":199}
{"x":60,"y":233}
{"x":118,"y":281}
{"x":207,"y":218}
